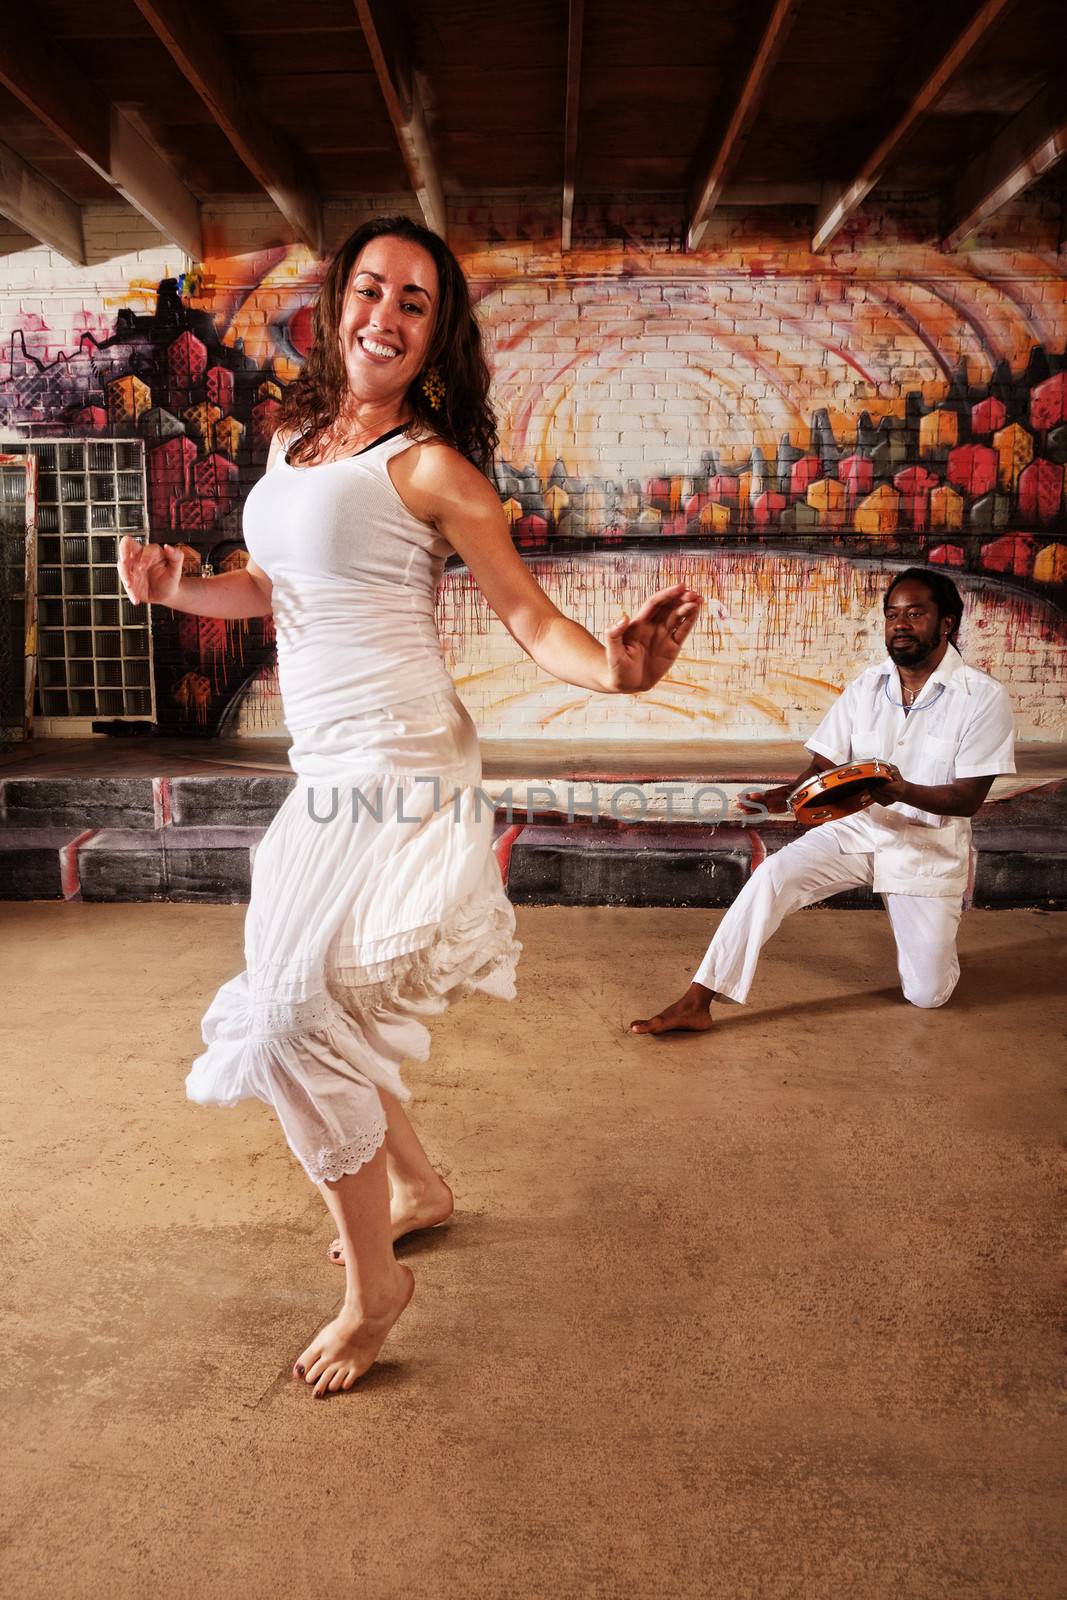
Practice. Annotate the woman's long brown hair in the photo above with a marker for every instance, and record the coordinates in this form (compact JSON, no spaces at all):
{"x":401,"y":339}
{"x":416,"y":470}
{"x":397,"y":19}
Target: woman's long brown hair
{"x":464,"y":419}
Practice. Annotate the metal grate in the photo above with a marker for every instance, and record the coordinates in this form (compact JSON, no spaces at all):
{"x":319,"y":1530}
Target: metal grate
{"x":95,"y":648}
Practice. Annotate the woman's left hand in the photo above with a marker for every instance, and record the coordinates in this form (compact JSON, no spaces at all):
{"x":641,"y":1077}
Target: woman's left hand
{"x":641,"y":649}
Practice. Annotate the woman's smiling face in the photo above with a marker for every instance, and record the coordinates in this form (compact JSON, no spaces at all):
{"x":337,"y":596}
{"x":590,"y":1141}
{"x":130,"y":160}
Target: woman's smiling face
{"x":387,"y":319}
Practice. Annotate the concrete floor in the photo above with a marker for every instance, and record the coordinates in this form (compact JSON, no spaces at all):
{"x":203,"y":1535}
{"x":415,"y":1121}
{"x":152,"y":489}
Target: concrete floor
{"x":744,"y":759}
{"x":766,"y":1314}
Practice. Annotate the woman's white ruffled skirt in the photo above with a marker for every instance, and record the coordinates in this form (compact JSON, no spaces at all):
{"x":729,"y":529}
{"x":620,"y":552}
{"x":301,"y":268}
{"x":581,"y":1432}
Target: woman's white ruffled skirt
{"x":376,"y":901}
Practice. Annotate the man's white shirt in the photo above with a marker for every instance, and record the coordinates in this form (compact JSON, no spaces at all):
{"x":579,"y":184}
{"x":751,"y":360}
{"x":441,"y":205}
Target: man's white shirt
{"x":961,"y":727}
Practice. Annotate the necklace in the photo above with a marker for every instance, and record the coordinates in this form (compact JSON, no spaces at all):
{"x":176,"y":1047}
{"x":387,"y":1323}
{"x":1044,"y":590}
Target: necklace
{"x":355,"y":440}
{"x":345,"y":442}
{"x":908,"y":697}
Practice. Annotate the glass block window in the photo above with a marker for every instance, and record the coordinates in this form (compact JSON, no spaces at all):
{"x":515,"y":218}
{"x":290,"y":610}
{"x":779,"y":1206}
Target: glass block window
{"x":95,"y":648}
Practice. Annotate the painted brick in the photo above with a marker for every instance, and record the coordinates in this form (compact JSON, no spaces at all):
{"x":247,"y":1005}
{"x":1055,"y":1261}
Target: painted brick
{"x":638,"y":372}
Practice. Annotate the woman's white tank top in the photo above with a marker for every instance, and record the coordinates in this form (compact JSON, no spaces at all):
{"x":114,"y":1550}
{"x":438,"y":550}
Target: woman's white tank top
{"x":354,"y":576}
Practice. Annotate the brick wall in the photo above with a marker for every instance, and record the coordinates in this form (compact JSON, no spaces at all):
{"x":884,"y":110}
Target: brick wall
{"x":786,"y":429}
{"x":780,"y":636}
{"x":46,"y":305}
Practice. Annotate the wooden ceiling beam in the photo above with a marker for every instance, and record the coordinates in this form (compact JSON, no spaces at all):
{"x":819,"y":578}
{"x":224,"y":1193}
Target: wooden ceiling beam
{"x":840,"y":202}
{"x":149,"y":182}
{"x":706,"y":192}
{"x":35,"y":204}
{"x":575,"y":25}
{"x":206,"y":60}
{"x":57,"y":92}
{"x":403,"y":102}
{"x":1030,"y":144}
{"x":52,"y":86}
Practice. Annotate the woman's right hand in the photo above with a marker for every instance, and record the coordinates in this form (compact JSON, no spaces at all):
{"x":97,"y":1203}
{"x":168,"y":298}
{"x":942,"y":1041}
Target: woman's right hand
{"x":149,"y":572}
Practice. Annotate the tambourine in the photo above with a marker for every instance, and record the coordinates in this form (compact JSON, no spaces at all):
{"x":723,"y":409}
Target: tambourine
{"x":839,"y":792}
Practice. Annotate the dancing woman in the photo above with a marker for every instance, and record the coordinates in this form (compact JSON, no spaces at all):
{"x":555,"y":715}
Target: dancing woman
{"x":375,"y":898}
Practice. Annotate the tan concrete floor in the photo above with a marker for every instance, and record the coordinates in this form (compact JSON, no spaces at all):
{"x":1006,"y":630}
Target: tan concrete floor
{"x":1038,"y":761}
{"x":766,"y":1314}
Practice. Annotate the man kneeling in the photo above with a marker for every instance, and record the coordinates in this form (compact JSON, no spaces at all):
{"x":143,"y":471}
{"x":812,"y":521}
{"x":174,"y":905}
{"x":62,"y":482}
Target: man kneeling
{"x":948,"y":729}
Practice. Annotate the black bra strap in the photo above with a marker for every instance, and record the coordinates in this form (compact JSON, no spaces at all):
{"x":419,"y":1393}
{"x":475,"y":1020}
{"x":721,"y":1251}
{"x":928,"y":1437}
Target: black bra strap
{"x":402,"y":428}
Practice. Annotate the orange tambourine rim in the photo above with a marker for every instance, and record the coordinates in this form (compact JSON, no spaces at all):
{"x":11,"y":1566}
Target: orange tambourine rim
{"x":822,"y":788}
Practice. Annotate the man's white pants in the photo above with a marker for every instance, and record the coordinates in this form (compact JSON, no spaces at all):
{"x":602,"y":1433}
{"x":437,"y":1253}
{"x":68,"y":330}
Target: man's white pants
{"x":810,"y":869}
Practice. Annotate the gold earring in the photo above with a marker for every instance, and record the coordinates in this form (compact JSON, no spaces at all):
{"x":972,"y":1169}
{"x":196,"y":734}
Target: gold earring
{"x":433,"y":387}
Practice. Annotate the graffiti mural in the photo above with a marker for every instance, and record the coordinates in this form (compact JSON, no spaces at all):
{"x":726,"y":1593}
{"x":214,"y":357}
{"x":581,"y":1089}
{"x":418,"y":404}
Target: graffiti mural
{"x":789,"y":430}
{"x":206,"y":413}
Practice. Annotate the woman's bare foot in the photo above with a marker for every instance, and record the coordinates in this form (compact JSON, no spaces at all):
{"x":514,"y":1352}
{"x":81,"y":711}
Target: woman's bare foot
{"x":345,"y":1348}
{"x":690,"y":1014}
{"x":410,"y":1210}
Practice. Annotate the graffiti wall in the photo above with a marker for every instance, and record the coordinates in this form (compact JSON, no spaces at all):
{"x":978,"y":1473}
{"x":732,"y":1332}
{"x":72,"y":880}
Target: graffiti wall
{"x":780,"y":430}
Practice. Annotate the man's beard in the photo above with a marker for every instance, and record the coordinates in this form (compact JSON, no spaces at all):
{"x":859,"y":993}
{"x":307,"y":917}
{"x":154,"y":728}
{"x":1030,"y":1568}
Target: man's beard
{"x":911,"y":652}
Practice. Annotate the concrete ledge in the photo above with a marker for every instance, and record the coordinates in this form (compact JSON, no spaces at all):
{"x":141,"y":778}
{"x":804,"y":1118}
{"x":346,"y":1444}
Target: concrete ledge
{"x":213,"y":865}
{"x":206,"y":828}
{"x":589,"y":866}
{"x":647,"y":866}
{"x":1014,"y":878}
{"x":80,"y":803}
{"x":31,"y":862}
{"x":243,"y":802}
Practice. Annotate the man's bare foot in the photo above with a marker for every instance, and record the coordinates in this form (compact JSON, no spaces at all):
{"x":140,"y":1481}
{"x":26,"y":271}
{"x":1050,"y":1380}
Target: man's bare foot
{"x":408,"y":1211}
{"x":345,"y":1348}
{"x":690,"y":1014}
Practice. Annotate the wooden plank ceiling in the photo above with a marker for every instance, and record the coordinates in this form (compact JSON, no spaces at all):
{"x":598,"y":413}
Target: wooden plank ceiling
{"x":170,"y":104}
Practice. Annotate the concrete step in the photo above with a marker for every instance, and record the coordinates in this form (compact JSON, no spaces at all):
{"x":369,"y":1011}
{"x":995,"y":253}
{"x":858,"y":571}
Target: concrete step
{"x":205,"y":864}
{"x":40,"y":863}
{"x":197,"y":843}
{"x":80,"y":802}
{"x":650,"y":866}
{"x":142,"y":802}
{"x":213,"y":865}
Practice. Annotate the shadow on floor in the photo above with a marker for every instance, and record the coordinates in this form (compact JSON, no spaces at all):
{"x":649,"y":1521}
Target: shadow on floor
{"x":1012,"y":978}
